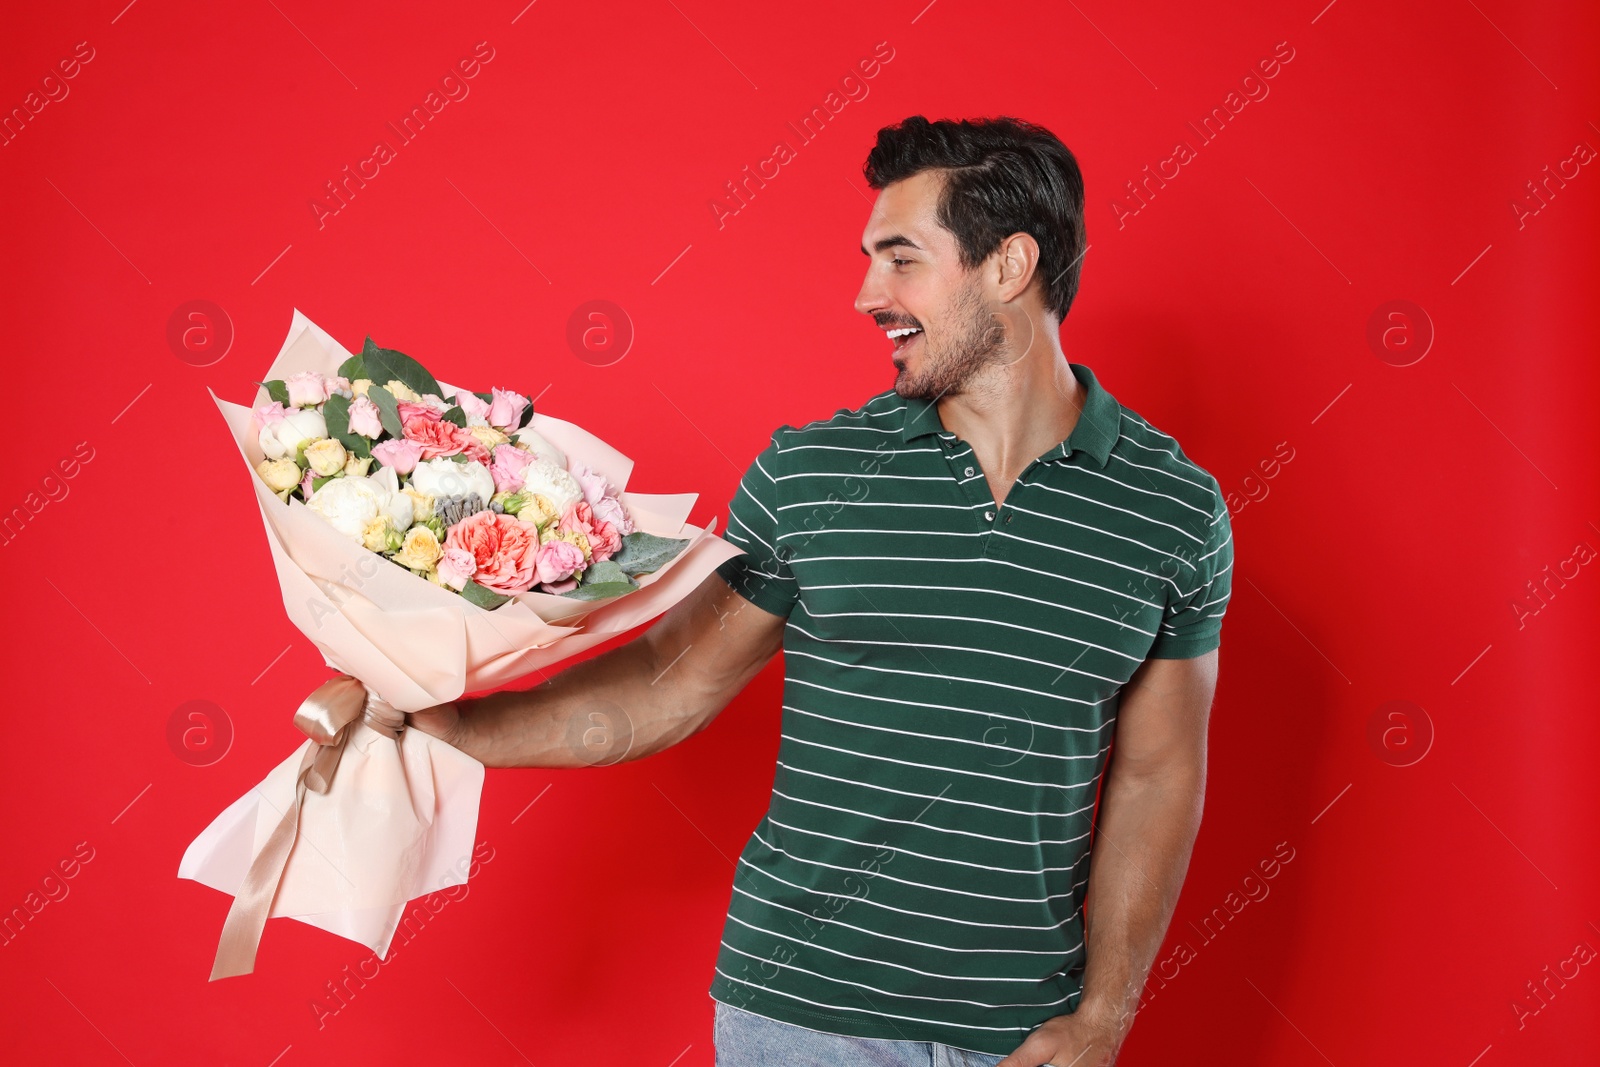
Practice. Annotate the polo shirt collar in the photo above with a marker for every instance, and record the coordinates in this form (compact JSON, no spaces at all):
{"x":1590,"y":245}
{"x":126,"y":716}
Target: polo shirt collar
{"x":1099,"y":423}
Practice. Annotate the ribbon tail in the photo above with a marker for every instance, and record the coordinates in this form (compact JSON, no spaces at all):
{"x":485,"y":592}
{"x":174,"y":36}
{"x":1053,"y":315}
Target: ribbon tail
{"x":247,"y":915}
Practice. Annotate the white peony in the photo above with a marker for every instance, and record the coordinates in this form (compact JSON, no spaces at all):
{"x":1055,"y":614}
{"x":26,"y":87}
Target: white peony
{"x":350,"y":504}
{"x":280,"y":438}
{"x":444,"y":477}
{"x":540,"y":447}
{"x":553,"y":483}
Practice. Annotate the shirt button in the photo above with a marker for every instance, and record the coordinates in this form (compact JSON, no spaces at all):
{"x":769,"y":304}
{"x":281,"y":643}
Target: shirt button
{"x":989,"y":515}
{"x":969,"y":472}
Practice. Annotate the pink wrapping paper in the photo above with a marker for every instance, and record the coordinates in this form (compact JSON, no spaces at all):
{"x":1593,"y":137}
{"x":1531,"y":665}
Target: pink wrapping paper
{"x":399,"y":820}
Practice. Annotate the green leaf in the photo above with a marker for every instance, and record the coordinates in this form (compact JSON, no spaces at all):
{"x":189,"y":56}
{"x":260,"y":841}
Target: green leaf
{"x":336,"y":415}
{"x":384,"y":365}
{"x":605,"y":571}
{"x":487,"y":398}
{"x":460,"y":457}
{"x":317,"y":481}
{"x":599,"y":590}
{"x":642,"y":553}
{"x":527,"y":414}
{"x":457,"y":416}
{"x":276,"y":390}
{"x":388,"y":411}
{"x":481,"y":596}
{"x":353,"y":368}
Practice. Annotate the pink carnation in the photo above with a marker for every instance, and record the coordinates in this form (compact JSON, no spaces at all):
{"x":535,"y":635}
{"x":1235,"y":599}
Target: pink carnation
{"x":504,"y":549}
{"x":437,"y":437}
{"x":558,"y":561}
{"x":408,"y":411}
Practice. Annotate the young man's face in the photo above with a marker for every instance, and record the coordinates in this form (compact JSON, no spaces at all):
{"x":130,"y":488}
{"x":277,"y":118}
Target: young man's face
{"x":915,"y":280}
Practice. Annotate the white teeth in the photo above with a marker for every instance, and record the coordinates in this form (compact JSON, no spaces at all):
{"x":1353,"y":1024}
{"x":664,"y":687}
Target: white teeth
{"x":902,"y":332}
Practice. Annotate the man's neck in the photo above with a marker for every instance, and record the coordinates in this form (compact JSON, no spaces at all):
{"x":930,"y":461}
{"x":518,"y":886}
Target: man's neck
{"x":1012,"y":415}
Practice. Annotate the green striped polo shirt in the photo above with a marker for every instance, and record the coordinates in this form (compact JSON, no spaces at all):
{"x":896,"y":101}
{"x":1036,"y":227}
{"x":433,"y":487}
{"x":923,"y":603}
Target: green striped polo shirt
{"x":952,"y":678}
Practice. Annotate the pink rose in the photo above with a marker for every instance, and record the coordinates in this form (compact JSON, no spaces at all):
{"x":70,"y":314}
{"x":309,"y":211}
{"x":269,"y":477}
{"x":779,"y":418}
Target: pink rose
{"x":408,"y":411}
{"x":305,"y":483}
{"x":456,"y":566}
{"x":341,"y":386}
{"x":509,"y":467}
{"x":604,"y":542}
{"x":505,"y":412}
{"x":472,"y":405}
{"x":364,"y":418}
{"x":557,"y":562}
{"x":268,"y":414}
{"x":400,"y":454}
{"x":504,"y":550}
{"x":306,"y":389}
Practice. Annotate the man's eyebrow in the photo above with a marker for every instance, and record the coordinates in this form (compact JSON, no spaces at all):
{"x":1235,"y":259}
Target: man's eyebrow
{"x":893,"y":241}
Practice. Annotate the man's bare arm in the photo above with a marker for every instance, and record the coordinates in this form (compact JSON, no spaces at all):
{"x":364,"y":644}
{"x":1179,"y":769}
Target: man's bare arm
{"x":1149,"y":817}
{"x":659,"y":688}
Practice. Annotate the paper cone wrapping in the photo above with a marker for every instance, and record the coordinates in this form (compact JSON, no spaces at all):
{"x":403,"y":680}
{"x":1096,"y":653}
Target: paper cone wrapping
{"x":399,"y":819}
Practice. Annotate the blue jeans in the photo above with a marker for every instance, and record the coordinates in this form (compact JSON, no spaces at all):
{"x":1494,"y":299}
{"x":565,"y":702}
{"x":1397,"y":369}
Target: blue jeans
{"x":745,"y":1039}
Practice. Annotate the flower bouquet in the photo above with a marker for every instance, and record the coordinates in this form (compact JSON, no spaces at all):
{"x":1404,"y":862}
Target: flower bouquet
{"x":431,"y":542}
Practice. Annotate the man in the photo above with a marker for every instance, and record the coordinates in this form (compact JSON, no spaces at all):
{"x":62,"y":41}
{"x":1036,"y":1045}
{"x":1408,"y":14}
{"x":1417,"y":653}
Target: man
{"x":978,"y":577}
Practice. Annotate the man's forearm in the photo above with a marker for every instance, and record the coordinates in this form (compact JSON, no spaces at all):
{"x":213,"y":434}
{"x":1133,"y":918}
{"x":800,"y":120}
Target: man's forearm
{"x":608,"y":709}
{"x":1146,"y":834}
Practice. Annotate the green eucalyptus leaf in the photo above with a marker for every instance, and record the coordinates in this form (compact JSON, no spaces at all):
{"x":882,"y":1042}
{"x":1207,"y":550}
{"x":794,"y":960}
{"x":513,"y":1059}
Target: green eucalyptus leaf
{"x":336,"y":415}
{"x":385,"y":365}
{"x":600,"y":590}
{"x":353,"y":368}
{"x":388,"y":409}
{"x":276,"y":390}
{"x":605,"y":571}
{"x":643,"y":553}
{"x":457,"y":416}
{"x":481,"y":596}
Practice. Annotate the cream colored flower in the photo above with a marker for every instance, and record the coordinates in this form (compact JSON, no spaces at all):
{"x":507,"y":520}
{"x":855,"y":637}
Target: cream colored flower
{"x":488,"y":435}
{"x":401,"y":391}
{"x":379,"y":535}
{"x":326,"y":456}
{"x":576,"y":538}
{"x":360,"y":386}
{"x":419,"y":550}
{"x":279,"y":474}
{"x":421,"y":504}
{"x":538,"y":510}
{"x":356,"y":467}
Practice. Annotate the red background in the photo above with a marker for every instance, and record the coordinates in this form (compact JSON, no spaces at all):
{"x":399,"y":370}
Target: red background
{"x":1380,"y":564}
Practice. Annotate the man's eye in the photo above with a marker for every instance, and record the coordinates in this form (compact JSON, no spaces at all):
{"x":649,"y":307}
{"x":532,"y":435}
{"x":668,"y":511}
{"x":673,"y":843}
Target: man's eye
{"x":898,"y":261}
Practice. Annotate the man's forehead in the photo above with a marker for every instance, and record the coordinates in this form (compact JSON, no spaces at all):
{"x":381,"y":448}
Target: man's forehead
{"x":903,"y":217}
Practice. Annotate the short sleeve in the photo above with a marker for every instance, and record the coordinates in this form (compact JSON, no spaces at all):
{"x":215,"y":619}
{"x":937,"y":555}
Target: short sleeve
{"x":1191,"y":624}
{"x":762,"y":575}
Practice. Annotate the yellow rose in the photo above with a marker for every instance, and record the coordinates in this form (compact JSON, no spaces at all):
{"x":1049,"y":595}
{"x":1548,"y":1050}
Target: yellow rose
{"x":379,"y":535}
{"x":279,"y":474}
{"x":356,"y":467}
{"x":420,"y":549}
{"x":360,"y":386}
{"x":401,"y":391}
{"x":488,"y":436}
{"x":575,"y":537}
{"x":326,"y":456}
{"x":539,"y":510}
{"x":421,"y":503}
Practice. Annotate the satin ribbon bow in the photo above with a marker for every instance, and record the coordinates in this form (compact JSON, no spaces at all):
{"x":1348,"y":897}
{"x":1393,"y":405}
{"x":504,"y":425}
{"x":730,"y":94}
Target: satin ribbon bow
{"x":328,"y":716}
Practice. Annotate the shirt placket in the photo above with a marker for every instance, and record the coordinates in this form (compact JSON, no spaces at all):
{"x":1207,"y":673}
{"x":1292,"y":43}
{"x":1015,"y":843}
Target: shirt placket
{"x":991,"y":517}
